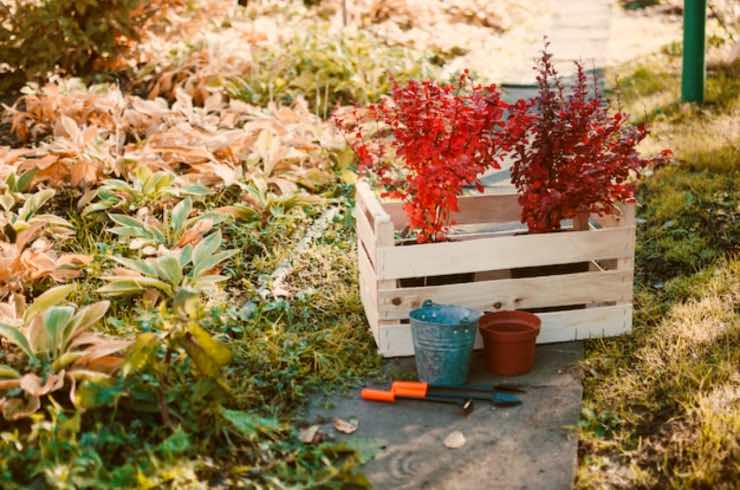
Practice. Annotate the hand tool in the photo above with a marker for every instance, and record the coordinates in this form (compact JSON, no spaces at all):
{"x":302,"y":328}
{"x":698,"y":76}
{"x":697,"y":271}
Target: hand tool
{"x":500,"y":398}
{"x":466,"y":405}
{"x":420,"y":385}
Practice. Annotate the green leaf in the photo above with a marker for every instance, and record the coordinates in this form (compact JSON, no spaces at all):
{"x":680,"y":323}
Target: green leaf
{"x":215,"y":349}
{"x":24,"y":180}
{"x":203,"y":362}
{"x":119,"y":289}
{"x":206,"y":248}
{"x":98,"y":206}
{"x":50,"y":298}
{"x":93,"y":394}
{"x":8,"y":372}
{"x":169,"y":269}
{"x":177,"y":443}
{"x":196,"y":190}
{"x":141,"y":353}
{"x":85,"y":318}
{"x":55,"y":321}
{"x":15,"y":336}
{"x":141,"y":266}
{"x":186,"y":255}
{"x":132,"y":227}
{"x":122,"y":285}
{"x":210,"y":262}
{"x":34,"y":203}
{"x":180,"y":214}
{"x":248,"y":424}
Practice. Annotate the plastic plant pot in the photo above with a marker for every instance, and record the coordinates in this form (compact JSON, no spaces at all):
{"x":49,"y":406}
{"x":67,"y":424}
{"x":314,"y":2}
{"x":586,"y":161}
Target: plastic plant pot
{"x":509,"y":341}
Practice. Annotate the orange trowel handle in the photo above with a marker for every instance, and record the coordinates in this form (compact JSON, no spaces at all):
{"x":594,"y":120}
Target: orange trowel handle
{"x":378,"y":395}
{"x":410,"y":389}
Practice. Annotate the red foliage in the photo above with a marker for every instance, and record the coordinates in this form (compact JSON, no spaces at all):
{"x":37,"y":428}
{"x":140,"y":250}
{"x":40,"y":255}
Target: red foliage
{"x":576,"y":156}
{"x":444,"y":137}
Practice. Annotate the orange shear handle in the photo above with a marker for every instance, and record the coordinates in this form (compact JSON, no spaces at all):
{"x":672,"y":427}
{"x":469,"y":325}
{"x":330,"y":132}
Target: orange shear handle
{"x":370,"y":394}
{"x":410,"y":389}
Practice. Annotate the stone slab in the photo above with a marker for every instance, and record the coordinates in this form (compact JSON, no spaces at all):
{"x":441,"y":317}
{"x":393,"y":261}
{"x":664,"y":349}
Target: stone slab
{"x":526,"y":447}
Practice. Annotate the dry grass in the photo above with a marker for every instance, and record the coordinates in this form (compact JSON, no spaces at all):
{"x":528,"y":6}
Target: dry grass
{"x":662,"y":407}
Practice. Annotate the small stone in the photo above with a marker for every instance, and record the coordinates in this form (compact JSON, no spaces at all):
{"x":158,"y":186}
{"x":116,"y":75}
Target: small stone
{"x":455,"y":440}
{"x":346,"y":427}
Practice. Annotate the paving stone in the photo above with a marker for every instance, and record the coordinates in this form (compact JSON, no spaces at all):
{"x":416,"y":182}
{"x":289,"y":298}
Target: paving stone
{"x":529,"y":446}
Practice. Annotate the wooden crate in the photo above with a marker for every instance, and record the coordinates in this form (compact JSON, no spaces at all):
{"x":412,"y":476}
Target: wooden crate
{"x":487,"y":241}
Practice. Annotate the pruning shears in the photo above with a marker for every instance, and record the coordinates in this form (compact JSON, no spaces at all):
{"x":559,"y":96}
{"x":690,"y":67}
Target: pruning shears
{"x":466,"y":405}
{"x":498,"y":395}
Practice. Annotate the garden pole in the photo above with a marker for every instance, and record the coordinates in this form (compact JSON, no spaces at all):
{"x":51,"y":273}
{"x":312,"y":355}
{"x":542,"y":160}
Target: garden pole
{"x":694,"y":69}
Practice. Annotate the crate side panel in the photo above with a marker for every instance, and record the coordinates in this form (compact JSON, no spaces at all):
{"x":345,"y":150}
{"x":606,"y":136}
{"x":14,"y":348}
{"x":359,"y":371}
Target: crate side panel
{"x":509,"y":294}
{"x":503,"y":252}
{"x":561,"y":326}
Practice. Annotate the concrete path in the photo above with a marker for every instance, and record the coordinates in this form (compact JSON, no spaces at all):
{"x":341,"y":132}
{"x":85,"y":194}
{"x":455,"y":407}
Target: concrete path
{"x":529,"y":446}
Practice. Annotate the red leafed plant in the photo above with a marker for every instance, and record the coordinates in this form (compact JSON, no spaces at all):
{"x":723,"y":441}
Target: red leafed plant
{"x":429,"y":140}
{"x":575,"y":156}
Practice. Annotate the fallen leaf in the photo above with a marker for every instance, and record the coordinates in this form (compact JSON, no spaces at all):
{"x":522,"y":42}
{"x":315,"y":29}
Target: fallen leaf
{"x":455,"y":440}
{"x":308,"y":434}
{"x":344,"y":426}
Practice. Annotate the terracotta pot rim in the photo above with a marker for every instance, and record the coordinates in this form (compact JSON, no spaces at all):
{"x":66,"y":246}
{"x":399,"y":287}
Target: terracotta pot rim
{"x":510,"y":326}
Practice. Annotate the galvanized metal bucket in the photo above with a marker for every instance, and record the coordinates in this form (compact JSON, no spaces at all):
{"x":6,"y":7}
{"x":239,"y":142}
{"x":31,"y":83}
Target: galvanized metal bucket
{"x":443,"y":342}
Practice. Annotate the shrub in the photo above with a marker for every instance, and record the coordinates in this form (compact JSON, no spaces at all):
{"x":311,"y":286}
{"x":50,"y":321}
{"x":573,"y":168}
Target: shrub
{"x":444,"y":136}
{"x":72,"y":35}
{"x":575,"y":157}
{"x":329,"y":70}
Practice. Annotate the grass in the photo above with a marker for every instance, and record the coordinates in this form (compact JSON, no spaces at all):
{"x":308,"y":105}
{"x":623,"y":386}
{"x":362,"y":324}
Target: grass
{"x":662,"y":406}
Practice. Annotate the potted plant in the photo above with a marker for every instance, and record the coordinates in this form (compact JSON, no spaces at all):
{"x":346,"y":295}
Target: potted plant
{"x":424,"y":144}
{"x":573,"y":159}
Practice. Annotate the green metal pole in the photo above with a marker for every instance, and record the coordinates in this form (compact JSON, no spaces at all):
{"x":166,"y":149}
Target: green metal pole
{"x":694,"y":69}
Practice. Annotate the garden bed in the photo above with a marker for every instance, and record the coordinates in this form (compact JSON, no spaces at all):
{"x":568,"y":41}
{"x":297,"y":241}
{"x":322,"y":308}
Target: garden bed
{"x":488,"y":240}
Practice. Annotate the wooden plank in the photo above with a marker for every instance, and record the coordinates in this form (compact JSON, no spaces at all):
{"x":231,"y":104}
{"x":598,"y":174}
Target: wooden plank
{"x":367,"y":278}
{"x":474,"y":209}
{"x":371,"y":203}
{"x":512,"y":294}
{"x":560,"y":326}
{"x":368,"y":292}
{"x":504,"y":252}
{"x":365,"y":233}
{"x":626,"y":217}
{"x":566,"y":326}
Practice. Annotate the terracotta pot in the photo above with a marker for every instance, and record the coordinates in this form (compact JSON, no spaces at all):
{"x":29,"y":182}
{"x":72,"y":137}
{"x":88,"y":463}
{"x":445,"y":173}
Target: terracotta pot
{"x":509,"y":341}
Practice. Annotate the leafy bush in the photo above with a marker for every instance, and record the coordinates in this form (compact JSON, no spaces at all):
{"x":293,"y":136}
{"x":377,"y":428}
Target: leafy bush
{"x":175,"y":275}
{"x":175,"y":231}
{"x":53,"y":344}
{"x":576,"y":156}
{"x":445,"y":136}
{"x":147,"y":188}
{"x":329,"y":70}
{"x":74,"y":35}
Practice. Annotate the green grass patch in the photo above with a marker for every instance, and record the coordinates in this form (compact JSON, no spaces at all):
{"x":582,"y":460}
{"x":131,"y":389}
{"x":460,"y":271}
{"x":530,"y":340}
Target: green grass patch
{"x":662,"y":406}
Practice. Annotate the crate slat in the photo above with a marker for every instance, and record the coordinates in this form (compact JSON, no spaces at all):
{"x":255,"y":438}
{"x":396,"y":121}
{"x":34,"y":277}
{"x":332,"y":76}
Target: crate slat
{"x":475,"y":209}
{"x":365,"y":233}
{"x":505,"y":252}
{"x":511,"y":294}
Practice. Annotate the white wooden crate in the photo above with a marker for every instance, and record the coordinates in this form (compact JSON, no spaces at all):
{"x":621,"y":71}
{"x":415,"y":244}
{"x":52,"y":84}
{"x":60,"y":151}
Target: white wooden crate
{"x":488,"y":242}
